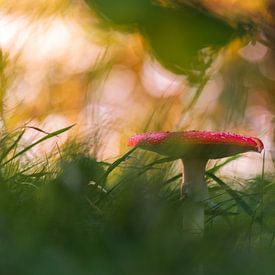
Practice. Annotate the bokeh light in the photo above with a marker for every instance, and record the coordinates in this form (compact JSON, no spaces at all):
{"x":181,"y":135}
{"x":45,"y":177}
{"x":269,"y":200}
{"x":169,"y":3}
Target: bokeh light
{"x":66,"y":65}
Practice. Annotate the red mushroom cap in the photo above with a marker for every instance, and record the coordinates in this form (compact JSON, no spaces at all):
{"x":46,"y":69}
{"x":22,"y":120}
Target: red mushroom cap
{"x":198,"y":144}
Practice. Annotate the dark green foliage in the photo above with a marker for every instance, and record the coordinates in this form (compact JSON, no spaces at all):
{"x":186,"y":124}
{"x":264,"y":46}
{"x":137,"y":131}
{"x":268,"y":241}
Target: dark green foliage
{"x":80,"y":171}
{"x":176,"y":36}
{"x":123,"y":11}
{"x":80,"y":216}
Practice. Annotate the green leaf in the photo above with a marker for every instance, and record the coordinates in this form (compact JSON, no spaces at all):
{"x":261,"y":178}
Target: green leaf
{"x":122,"y":11}
{"x":176,"y":35}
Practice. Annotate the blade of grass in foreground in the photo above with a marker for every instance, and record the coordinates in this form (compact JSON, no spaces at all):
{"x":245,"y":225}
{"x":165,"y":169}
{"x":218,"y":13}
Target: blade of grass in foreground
{"x":13,"y":146}
{"x":217,"y":167}
{"x":48,"y":136}
{"x":116,"y":163}
{"x":235,"y":196}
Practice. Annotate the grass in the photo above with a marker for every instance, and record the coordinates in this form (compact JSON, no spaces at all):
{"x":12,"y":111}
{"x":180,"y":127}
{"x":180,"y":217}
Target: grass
{"x":70,"y":214}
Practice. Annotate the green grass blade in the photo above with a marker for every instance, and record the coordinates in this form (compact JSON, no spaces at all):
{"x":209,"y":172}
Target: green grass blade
{"x":116,"y":163}
{"x":217,"y":167}
{"x":159,"y":161}
{"x":176,"y":177}
{"x":239,"y":200}
{"x":13,"y":146}
{"x":48,"y":136}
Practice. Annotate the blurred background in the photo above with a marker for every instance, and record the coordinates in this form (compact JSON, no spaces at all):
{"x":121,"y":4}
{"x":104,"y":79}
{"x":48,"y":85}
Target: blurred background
{"x":117,"y":68}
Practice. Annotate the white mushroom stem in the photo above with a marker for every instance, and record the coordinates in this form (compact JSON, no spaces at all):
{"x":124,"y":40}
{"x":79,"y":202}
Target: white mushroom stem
{"x":194,"y":190}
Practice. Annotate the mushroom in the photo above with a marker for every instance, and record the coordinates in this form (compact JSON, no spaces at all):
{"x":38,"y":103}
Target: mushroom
{"x":195,"y":148}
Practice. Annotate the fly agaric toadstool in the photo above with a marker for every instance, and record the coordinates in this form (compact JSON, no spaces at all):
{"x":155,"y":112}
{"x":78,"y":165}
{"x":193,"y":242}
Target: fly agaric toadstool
{"x":195,"y":148}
